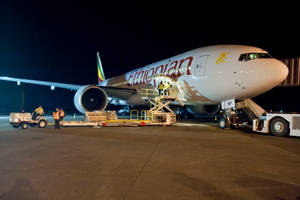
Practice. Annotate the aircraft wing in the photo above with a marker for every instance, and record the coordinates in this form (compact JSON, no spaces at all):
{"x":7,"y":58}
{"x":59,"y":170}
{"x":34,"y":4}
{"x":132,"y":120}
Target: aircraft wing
{"x":122,"y":93}
{"x":52,"y":85}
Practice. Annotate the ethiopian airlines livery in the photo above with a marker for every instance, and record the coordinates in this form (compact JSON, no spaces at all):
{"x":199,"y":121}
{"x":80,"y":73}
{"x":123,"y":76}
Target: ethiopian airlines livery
{"x":202,"y":77}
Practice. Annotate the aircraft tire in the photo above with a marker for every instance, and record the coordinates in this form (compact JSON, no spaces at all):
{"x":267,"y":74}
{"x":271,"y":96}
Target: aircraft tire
{"x":279,"y":127}
{"x":222,"y":123}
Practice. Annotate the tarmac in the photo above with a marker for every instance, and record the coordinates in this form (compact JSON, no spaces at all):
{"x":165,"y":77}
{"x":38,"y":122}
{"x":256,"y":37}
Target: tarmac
{"x":191,"y":160}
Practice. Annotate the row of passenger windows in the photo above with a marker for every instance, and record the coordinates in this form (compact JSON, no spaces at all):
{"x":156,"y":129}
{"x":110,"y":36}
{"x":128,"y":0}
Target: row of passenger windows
{"x":252,"y":56}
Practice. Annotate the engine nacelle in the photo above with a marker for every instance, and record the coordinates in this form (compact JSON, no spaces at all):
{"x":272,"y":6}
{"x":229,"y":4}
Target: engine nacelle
{"x":90,"y":98}
{"x":205,"y":109}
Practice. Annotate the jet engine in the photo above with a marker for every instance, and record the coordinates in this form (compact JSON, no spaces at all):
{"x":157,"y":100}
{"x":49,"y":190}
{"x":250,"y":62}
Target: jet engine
{"x":205,"y":109}
{"x":90,"y":98}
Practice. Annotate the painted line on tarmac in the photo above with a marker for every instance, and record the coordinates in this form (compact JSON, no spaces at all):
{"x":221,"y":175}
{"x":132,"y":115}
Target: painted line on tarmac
{"x":4,"y":117}
{"x":191,"y":124}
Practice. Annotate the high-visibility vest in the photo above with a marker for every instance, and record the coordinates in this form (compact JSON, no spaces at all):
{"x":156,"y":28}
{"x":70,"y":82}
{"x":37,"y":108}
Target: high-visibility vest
{"x":62,"y":113}
{"x":55,"y":116}
{"x":161,"y":86}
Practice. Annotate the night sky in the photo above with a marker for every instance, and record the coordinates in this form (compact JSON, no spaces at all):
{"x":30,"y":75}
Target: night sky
{"x":58,"y":40}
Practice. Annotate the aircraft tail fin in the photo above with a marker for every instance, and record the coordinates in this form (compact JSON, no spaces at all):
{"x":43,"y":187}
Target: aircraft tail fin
{"x":101,"y":76}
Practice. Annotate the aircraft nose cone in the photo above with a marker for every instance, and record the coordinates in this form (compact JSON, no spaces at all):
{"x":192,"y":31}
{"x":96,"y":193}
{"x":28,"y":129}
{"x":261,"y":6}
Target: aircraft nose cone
{"x":272,"y":73}
{"x":284,"y":71}
{"x":278,"y":72}
{"x":263,"y":76}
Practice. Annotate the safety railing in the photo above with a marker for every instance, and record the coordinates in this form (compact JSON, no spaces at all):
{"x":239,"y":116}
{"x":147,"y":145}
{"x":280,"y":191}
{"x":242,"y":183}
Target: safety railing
{"x":152,"y":93}
{"x":149,"y":93}
{"x":134,"y":115}
{"x":144,"y":115}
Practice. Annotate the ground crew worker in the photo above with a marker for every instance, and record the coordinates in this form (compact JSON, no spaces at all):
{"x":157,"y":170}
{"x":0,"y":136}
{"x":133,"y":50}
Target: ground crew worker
{"x":167,"y":90}
{"x":38,"y":112}
{"x":161,"y":87}
{"x":61,"y":114}
{"x":56,"y":118}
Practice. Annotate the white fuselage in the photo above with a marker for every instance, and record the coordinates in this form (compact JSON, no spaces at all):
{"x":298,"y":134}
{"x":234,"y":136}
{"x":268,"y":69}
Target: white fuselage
{"x":209,"y":75}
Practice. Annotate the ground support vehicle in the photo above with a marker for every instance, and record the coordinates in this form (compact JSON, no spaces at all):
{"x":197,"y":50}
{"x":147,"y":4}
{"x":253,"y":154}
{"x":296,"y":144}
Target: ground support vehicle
{"x":25,"y":120}
{"x":278,"y":124}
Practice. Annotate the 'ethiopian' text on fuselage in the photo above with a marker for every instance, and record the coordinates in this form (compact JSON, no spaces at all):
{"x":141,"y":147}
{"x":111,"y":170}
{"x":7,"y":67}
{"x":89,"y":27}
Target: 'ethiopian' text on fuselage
{"x":173,"y":68}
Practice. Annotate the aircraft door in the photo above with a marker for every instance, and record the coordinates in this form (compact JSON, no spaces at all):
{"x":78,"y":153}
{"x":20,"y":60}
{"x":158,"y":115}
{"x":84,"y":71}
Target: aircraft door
{"x":199,"y":67}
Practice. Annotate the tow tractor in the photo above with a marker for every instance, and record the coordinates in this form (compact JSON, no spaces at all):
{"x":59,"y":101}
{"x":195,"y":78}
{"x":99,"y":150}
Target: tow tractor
{"x":25,"y":120}
{"x":277,"y":124}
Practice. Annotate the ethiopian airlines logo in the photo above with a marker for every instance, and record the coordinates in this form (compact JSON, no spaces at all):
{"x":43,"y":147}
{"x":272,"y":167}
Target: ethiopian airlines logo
{"x":221,"y":58}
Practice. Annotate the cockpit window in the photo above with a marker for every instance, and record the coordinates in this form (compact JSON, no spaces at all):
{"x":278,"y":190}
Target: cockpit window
{"x":251,"y":56}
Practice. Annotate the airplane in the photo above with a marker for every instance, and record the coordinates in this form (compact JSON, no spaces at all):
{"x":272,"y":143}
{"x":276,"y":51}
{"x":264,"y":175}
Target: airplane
{"x":203,"y":78}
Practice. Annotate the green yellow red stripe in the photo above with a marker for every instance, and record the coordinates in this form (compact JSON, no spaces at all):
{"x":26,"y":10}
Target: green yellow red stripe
{"x":101,"y":76}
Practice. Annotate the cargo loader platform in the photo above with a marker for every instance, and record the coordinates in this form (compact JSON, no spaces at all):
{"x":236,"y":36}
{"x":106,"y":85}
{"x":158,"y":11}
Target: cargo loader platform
{"x":159,"y":114}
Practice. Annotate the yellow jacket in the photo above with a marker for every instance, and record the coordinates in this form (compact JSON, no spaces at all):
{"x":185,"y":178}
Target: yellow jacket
{"x":161,"y":86}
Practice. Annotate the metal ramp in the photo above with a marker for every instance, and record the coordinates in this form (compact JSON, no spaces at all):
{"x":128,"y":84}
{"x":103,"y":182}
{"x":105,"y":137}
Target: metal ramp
{"x":252,"y":109}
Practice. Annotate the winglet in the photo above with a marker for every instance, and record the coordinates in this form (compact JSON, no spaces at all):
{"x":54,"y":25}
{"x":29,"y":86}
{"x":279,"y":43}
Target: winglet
{"x":101,"y":76}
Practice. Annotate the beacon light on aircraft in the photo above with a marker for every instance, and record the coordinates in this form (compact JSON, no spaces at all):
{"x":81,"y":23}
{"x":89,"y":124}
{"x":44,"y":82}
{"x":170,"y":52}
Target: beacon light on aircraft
{"x":52,"y":87}
{"x":18,"y":83}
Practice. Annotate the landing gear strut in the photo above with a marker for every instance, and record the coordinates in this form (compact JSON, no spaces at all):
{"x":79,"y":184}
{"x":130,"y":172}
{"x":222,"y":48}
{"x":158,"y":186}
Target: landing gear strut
{"x":229,"y":119}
